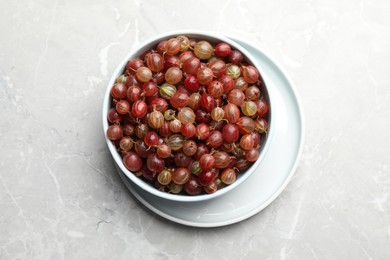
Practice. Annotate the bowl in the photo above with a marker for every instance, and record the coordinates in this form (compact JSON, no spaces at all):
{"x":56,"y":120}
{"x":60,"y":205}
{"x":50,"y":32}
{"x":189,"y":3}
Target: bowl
{"x":142,"y":48}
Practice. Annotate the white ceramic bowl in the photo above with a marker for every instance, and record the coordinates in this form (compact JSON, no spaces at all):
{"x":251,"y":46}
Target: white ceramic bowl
{"x":213,"y":38}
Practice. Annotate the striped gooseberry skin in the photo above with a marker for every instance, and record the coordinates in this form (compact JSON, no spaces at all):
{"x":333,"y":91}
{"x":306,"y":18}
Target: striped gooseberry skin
{"x":155,"y":62}
{"x":222,"y":159}
{"x":176,"y":142}
{"x":232,"y":113}
{"x":206,"y":162}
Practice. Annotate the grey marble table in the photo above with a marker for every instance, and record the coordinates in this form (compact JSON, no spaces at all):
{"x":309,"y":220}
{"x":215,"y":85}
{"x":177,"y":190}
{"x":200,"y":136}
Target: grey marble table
{"x":60,"y":197}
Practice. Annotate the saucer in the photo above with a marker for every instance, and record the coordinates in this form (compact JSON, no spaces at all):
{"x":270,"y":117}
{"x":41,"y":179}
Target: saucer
{"x":270,"y":178}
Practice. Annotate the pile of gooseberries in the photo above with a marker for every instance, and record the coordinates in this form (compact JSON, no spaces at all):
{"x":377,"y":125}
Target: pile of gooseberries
{"x":188,"y":116}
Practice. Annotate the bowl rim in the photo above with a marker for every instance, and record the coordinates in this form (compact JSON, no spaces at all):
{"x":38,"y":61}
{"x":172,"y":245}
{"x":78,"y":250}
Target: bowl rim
{"x":140,"y":48}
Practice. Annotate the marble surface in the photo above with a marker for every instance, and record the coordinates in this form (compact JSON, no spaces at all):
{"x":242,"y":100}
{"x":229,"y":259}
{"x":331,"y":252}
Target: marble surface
{"x":60,"y":197}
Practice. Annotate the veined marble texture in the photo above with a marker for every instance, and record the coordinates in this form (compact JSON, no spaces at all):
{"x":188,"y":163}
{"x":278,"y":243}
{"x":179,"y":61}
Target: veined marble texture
{"x":60,"y":196}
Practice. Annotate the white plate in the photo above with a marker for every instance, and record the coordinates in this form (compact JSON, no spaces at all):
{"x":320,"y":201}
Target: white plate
{"x":271,"y":177}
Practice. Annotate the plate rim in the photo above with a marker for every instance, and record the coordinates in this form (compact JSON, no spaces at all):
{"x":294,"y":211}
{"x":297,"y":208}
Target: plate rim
{"x":275,"y":194}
